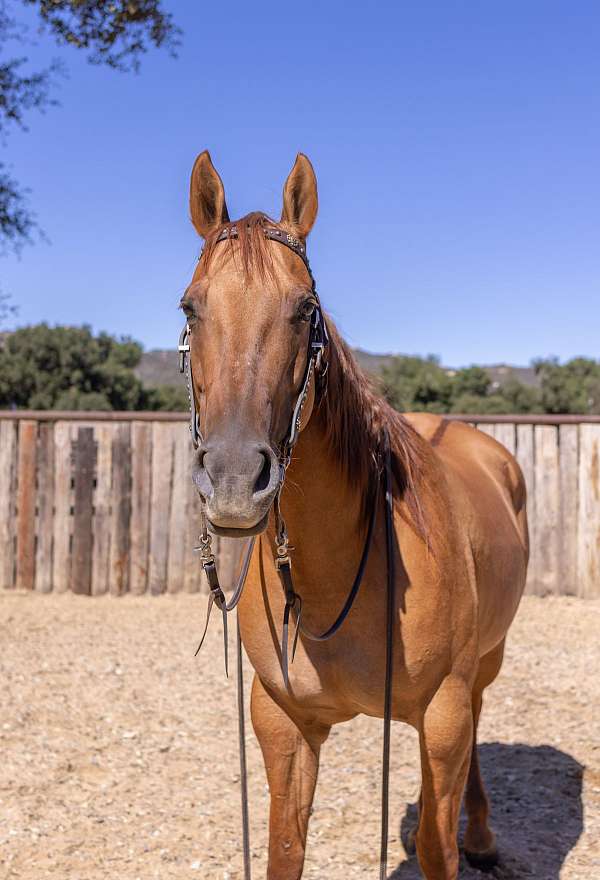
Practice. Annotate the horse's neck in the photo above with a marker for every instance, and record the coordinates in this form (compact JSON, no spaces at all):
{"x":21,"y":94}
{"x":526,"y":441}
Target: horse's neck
{"x":323,"y":514}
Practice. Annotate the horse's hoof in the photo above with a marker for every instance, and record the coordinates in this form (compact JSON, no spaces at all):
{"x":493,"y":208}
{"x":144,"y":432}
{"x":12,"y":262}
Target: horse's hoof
{"x":484,"y":860}
{"x":410,"y":844}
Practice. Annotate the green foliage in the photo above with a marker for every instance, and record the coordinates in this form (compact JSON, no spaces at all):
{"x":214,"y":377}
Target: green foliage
{"x":573,"y":387}
{"x":414,"y":383}
{"x":421,"y":384}
{"x":168,"y":397}
{"x":113,"y":33}
{"x":44,"y":367}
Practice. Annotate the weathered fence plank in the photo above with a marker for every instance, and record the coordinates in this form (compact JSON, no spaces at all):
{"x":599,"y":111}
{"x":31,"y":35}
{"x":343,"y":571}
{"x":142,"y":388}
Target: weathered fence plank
{"x":177,"y":529}
{"x":588,"y":544}
{"x":547,"y":506}
{"x":8,"y":459}
{"x":525,"y":453}
{"x":84,"y":460}
{"x":487,"y":429}
{"x":45,"y":507}
{"x":162,"y":464}
{"x":141,"y":487}
{"x":118,"y":565}
{"x":568,"y":438}
{"x":103,"y":434}
{"x":61,"y":558}
{"x":26,"y":491}
{"x":505,"y":434}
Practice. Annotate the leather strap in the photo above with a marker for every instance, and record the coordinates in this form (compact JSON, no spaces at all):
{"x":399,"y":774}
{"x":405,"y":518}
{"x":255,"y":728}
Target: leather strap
{"x":293,"y":601}
{"x":389,"y":657}
{"x":217,"y":597}
{"x":242,"y":751}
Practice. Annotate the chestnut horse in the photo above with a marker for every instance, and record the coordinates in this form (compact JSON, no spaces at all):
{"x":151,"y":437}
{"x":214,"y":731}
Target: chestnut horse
{"x":461,"y":542}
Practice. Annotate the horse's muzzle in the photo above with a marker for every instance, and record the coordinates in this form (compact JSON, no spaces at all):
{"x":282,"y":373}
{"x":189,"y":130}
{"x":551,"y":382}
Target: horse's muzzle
{"x":238,"y":482}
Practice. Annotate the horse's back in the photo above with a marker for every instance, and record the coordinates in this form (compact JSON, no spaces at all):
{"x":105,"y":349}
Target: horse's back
{"x":489,"y":499}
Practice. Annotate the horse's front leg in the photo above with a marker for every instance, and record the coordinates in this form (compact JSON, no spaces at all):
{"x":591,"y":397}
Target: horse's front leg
{"x":291,"y":754}
{"x":446,"y":736}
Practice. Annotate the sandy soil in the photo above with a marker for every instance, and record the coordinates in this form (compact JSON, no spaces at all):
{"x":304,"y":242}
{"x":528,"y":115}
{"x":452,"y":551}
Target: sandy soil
{"x":119,"y":756}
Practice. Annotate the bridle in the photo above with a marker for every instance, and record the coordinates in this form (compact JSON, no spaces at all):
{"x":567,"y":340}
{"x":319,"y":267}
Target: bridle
{"x":318,"y":341}
{"x":315,"y":370}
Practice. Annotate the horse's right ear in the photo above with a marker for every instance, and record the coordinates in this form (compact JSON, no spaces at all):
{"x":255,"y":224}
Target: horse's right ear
{"x":207,"y":196}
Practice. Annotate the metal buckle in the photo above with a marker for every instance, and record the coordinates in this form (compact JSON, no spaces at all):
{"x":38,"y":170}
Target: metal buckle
{"x":183,"y":347}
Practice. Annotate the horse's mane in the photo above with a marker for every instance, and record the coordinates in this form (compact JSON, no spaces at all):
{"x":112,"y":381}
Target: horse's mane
{"x":354,"y":416}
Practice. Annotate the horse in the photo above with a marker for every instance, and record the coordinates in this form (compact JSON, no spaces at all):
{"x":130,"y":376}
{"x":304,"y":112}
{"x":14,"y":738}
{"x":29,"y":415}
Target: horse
{"x":460,"y":539}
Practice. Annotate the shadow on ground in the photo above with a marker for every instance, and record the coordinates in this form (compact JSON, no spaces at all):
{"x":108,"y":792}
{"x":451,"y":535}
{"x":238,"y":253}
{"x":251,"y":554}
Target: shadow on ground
{"x":536,"y":812}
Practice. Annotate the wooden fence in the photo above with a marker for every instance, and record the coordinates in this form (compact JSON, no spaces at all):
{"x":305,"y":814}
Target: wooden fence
{"x":103,"y":502}
{"x":100,"y":503}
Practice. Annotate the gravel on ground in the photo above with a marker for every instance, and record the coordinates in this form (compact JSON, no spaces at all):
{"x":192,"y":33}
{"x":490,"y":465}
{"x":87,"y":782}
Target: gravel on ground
{"x":119,"y":751}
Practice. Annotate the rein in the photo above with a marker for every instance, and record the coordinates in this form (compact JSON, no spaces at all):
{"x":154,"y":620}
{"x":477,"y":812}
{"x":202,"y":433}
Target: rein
{"x":316,"y":368}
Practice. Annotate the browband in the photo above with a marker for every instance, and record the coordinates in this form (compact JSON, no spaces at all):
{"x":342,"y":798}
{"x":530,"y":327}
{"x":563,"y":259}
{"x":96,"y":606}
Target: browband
{"x":285,"y":238}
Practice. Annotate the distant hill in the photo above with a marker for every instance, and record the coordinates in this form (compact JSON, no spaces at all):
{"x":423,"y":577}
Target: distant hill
{"x":161,"y":367}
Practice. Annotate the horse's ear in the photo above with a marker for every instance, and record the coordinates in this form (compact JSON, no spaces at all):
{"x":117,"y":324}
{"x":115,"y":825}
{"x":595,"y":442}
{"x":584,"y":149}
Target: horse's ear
{"x":300,"y":200}
{"x":207,"y":196}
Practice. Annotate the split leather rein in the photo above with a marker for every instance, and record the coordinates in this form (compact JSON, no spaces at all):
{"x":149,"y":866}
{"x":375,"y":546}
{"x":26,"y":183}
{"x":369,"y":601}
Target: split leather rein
{"x":315,"y":371}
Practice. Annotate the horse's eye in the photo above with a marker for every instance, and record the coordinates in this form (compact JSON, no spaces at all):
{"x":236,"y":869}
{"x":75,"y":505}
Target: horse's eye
{"x":306,"y":309}
{"x":187,"y":309}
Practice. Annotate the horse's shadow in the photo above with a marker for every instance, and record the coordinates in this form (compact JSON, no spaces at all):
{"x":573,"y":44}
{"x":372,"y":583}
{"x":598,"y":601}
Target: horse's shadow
{"x":536,"y":812}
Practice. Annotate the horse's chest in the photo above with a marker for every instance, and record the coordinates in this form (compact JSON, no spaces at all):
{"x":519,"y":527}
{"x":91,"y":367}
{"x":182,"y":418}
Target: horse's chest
{"x":338,"y":679}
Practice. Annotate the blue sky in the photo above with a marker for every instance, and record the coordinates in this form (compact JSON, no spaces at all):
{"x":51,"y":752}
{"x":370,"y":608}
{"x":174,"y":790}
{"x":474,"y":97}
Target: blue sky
{"x":456,"y":146}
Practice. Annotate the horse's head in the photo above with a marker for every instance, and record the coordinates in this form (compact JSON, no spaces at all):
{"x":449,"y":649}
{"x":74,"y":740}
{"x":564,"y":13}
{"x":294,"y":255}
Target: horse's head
{"x":249,"y":310}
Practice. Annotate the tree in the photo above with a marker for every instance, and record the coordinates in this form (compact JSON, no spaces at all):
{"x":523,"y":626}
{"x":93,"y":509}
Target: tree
{"x":6,"y":308}
{"x":573,"y":387}
{"x":115,"y":33}
{"x":44,"y":367}
{"x":64,"y":368}
{"x":414,"y":383}
{"x":421,"y":384}
{"x":171,"y":398}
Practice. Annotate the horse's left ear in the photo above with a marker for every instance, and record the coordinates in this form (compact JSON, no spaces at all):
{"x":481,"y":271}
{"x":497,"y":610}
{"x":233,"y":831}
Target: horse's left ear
{"x":300,"y":200}
{"x":207,"y":196}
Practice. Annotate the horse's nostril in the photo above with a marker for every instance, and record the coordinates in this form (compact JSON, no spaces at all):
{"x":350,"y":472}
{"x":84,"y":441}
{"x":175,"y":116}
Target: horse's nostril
{"x":264,"y":476}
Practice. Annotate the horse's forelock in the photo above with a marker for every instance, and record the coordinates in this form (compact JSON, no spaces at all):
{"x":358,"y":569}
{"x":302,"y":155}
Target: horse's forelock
{"x":248,"y":245}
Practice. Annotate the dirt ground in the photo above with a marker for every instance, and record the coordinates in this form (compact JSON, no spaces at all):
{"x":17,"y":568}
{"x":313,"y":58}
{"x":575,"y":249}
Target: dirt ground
{"x":119,"y":755}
